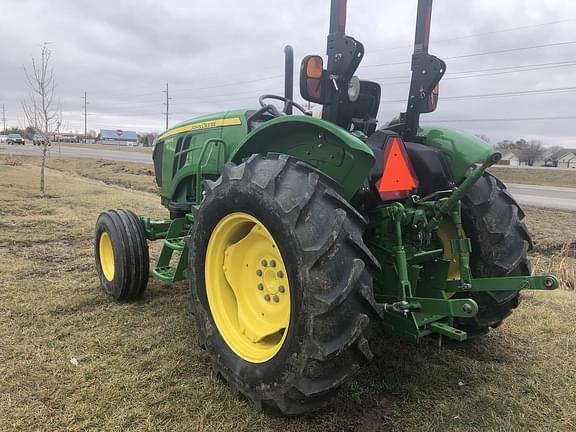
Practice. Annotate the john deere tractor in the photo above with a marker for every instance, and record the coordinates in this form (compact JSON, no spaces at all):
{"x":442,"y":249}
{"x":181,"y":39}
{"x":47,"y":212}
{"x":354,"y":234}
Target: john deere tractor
{"x":297,"y":234}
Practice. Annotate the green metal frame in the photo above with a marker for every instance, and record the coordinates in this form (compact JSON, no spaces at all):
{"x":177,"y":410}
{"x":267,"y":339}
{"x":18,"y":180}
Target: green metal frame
{"x":462,"y":150}
{"x":173,"y":232}
{"x":342,"y":156}
{"x":412,"y":290}
{"x":189,"y":155}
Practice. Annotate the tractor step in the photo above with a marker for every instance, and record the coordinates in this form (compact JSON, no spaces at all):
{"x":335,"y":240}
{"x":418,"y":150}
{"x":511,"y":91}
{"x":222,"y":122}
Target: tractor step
{"x":167,"y":269}
{"x":176,"y":244}
{"x":167,"y":274}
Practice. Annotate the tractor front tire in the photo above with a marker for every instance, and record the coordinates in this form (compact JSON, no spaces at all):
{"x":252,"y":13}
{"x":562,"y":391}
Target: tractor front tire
{"x":492,"y":220}
{"x":121,"y":252}
{"x":288,"y":337}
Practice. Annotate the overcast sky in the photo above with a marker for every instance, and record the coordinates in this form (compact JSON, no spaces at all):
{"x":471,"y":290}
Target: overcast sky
{"x":123,"y":52}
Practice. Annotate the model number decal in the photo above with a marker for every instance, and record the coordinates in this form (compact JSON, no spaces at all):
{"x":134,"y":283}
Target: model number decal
{"x":235,"y":121}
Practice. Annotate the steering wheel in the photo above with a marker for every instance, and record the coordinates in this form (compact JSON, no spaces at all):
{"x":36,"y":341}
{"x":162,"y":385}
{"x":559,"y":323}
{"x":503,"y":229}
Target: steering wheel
{"x":272,"y":109}
{"x":287,"y":104}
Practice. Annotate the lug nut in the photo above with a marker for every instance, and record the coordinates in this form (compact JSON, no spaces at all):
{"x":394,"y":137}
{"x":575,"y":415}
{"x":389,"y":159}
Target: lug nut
{"x":260,"y":287}
{"x":272,"y":263}
{"x":267,"y":297}
{"x":258,"y":272}
{"x":275,"y":298}
{"x":281,"y":288}
{"x":467,"y":308}
{"x":264,"y":263}
{"x":280,"y":274}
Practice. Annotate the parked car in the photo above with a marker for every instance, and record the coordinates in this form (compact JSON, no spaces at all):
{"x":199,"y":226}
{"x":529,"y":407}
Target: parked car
{"x":15,"y":139}
{"x":69,"y":139}
{"x":39,"y":139}
{"x":3,"y":138}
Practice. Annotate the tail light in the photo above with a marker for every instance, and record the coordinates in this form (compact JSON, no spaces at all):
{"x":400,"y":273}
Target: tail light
{"x":398,"y":177}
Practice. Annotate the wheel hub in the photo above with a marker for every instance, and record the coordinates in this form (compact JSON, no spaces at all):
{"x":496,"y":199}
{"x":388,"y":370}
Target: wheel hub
{"x":106,"y":256}
{"x":272,"y":278}
{"x":248,"y":292}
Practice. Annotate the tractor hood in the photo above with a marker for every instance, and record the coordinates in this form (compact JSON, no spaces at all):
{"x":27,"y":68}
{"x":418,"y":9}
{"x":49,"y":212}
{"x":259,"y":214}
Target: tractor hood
{"x":220,"y":119}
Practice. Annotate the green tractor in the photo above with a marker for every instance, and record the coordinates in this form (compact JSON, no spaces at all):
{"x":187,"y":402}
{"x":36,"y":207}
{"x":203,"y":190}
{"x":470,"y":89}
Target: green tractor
{"x":297,"y":234}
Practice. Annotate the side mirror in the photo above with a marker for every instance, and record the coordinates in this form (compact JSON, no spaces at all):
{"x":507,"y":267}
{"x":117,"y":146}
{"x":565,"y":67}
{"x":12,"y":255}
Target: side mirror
{"x":432,"y":101}
{"x":312,"y":79}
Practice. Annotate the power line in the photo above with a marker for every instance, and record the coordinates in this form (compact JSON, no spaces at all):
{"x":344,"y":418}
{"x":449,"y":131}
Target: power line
{"x":502,"y":119}
{"x":514,"y":70}
{"x":131,"y":102}
{"x":567,"y":63}
{"x":231,"y":84}
{"x":482,"y":53}
{"x":518,"y":68}
{"x":127,"y":95}
{"x":513,"y":49}
{"x":251,"y":92}
{"x":510,"y":71}
{"x":202,"y":98}
{"x":434,"y":41}
{"x":502,"y":94}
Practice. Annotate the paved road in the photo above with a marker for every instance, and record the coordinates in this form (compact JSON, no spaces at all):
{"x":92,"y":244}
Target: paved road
{"x":558,"y":198}
{"x":118,"y":155}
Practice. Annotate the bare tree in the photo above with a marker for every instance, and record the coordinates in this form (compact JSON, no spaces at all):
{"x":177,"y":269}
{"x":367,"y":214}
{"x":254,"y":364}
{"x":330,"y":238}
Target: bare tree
{"x":40,"y":111}
{"x":506,"y":146}
{"x":30,"y":109}
{"x":530,"y":152}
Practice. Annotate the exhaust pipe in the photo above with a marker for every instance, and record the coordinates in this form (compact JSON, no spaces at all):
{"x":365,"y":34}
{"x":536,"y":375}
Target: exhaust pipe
{"x":288,"y":75}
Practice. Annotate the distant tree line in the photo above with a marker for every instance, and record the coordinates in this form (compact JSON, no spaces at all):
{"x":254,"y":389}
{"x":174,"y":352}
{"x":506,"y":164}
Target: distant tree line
{"x":147,"y":139}
{"x":528,"y":152}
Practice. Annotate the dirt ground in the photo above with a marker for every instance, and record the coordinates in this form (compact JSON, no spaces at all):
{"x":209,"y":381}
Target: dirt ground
{"x":72,"y":360}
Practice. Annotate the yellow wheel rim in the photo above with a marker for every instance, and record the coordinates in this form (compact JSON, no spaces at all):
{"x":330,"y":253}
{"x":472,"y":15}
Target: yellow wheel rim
{"x":106,"y":256}
{"x":247,"y":287}
{"x":446,"y":233}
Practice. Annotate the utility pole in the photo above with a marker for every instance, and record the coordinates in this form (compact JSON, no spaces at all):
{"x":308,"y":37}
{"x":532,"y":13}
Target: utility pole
{"x":85,"y":119}
{"x":167,"y":103}
{"x":4,"y":117}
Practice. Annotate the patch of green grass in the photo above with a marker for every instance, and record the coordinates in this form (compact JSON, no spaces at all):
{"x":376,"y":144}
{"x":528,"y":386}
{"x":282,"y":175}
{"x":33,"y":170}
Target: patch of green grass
{"x":139,"y":368}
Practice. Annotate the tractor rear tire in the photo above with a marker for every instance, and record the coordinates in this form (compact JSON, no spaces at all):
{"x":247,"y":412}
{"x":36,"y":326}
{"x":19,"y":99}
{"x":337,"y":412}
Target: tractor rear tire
{"x":121,"y":252}
{"x":330,"y":272}
{"x":492,"y":219}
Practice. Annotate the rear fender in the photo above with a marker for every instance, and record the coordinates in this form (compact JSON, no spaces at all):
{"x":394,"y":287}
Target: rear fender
{"x":336,"y":152}
{"x":462,"y":150}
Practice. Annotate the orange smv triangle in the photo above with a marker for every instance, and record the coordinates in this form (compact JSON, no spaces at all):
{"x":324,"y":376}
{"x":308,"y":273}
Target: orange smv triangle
{"x":398,"y":177}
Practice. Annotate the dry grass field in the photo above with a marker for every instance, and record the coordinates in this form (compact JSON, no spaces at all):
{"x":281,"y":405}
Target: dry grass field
{"x":129,"y":175}
{"x":106,"y":147}
{"x":545,"y":177}
{"x":71,"y":360}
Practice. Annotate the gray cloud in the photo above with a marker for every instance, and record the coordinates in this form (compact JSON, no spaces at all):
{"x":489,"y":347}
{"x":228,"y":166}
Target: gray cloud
{"x":123,"y":52}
